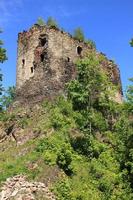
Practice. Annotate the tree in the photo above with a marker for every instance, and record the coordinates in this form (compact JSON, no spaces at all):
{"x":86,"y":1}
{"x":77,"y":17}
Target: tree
{"x":8,"y":97}
{"x":40,"y":22}
{"x":129,"y":94}
{"x":79,"y":34}
{"x":124,"y":129}
{"x":131,"y":42}
{"x":92,"y":93}
{"x":51,"y":22}
{"x":2,"y":52}
{"x":2,"y":59}
{"x":89,"y":84}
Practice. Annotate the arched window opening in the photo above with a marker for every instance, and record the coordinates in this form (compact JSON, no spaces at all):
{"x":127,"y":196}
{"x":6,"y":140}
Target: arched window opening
{"x":43,"y":41}
{"x":79,"y":50}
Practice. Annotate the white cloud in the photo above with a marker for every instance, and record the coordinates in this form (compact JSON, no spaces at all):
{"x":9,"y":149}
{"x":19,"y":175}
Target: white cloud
{"x":7,"y":10}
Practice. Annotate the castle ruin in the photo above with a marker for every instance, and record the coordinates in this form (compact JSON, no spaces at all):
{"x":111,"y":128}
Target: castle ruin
{"x":45,"y":63}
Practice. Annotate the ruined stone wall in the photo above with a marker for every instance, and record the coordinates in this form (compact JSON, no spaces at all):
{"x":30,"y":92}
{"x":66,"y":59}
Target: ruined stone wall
{"x":113,"y":72}
{"x":59,"y":46}
{"x":46,"y":60}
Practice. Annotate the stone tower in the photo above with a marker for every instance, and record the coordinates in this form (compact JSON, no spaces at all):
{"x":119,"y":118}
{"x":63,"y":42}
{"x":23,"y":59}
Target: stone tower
{"x":45,"y":63}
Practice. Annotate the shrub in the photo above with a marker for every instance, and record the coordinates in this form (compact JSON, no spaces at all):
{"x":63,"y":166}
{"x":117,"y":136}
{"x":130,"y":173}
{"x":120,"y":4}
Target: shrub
{"x":51,"y":22}
{"x":64,"y":159}
{"x":63,"y":190}
{"x":40,"y":22}
{"x":78,"y":34}
{"x":91,"y":43}
{"x":45,"y":144}
{"x":57,"y":119}
{"x":62,"y":115}
{"x":82,"y":145}
{"x":65,"y":106}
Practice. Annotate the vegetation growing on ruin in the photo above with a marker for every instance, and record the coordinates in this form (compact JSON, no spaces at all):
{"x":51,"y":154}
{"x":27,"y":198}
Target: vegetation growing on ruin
{"x":41,"y":22}
{"x":84,"y":143}
{"x":79,"y":34}
{"x":52,"y":23}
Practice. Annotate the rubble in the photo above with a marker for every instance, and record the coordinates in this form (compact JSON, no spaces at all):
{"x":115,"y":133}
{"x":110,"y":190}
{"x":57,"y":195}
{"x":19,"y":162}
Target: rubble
{"x":18,"y":188}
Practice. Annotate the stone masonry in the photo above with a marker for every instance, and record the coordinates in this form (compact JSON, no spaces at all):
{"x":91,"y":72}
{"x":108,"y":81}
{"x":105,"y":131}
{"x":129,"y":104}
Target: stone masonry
{"x":45,"y":63}
{"x":18,"y":188}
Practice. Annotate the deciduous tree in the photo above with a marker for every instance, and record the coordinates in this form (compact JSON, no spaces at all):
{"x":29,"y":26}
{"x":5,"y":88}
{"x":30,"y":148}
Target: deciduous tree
{"x":3,"y":57}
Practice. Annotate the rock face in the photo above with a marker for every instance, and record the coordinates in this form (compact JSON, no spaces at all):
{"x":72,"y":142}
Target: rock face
{"x":17,"y":188}
{"x":45,"y":63}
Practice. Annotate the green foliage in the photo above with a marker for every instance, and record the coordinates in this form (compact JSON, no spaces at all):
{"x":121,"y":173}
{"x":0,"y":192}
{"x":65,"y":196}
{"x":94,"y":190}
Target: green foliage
{"x":40,"y":22}
{"x":129,"y":96}
{"x":8,"y":98}
{"x":91,"y":95}
{"x":129,"y":158}
{"x":99,"y":123}
{"x":97,"y":148}
{"x":107,"y":176}
{"x":64,"y":159}
{"x":90,"y":79}
{"x":86,"y":84}
{"x":100,"y":162}
{"x":131,"y":42}
{"x":82,"y":145}
{"x":130,"y":92}
{"x":123,"y":128}
{"x":63,"y":190}
{"x":91,"y":43}
{"x":62,"y":115}
{"x":3,"y":57}
{"x":85,"y":142}
{"x":78,"y":34}
{"x":42,"y":146}
{"x":23,"y":122}
{"x":51,"y":22}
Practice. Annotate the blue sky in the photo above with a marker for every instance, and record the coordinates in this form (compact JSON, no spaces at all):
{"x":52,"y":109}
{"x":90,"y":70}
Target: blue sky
{"x":108,"y":22}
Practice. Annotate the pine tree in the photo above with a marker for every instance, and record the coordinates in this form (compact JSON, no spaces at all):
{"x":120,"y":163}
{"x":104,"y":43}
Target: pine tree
{"x":51,"y":22}
{"x":79,"y":34}
{"x":40,"y":22}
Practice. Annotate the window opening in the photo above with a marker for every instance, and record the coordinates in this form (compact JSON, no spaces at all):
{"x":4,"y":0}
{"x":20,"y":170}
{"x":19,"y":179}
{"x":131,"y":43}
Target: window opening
{"x":23,"y":62}
{"x":42,"y":57}
{"x":68,"y":59}
{"x":32,"y":69}
{"x":43,"y":41}
{"x":79,"y":50}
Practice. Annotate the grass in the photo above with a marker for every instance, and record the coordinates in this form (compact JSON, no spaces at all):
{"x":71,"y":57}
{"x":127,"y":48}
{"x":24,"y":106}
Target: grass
{"x":96,"y":177}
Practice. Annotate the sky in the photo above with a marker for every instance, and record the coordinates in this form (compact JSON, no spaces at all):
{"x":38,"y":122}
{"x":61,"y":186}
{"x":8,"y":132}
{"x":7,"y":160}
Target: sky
{"x":107,"y":22}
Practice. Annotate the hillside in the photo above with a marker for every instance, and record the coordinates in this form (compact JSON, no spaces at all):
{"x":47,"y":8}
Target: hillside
{"x":77,"y":147}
